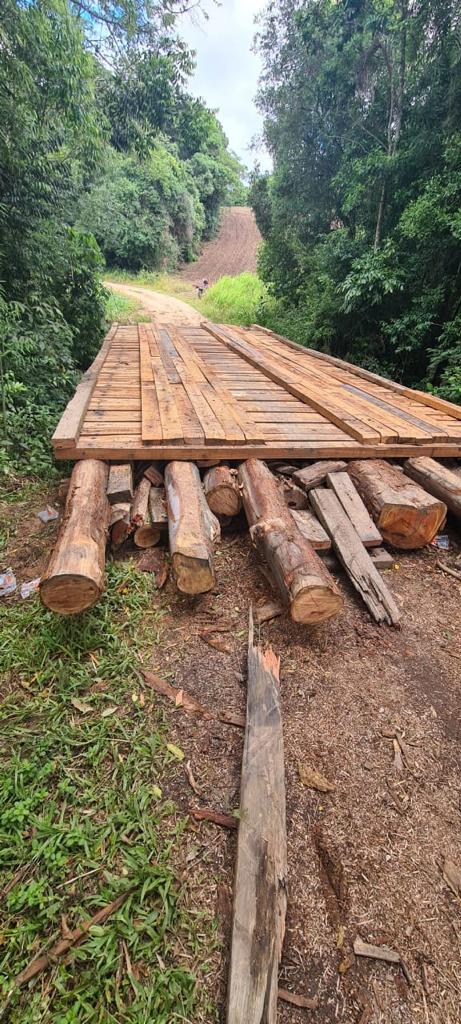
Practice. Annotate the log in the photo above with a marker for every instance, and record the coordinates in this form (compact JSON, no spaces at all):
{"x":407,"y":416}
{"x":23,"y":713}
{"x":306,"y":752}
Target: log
{"x":222,"y":491}
{"x":441,"y":482}
{"x":260,"y":895}
{"x":406,"y":516}
{"x":120,"y":523}
{"x":145,"y":534}
{"x":312,"y":476}
{"x":294,"y":497}
{"x":157,"y":507}
{"x":192,"y":528}
{"x":74,"y":577}
{"x":354,"y":557}
{"x":354,"y":507}
{"x":153,"y":474}
{"x":303,"y":581}
{"x":120,"y":483}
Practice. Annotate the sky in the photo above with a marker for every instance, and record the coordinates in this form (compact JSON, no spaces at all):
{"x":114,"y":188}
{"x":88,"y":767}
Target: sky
{"x":226,"y":76}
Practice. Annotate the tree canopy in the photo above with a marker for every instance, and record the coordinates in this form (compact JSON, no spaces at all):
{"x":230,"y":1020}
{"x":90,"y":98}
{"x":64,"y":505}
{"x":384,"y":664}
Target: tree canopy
{"x":361,"y":216}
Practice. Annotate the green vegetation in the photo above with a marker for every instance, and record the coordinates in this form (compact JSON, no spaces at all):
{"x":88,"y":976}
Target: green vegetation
{"x":361,"y":217}
{"x":124,"y":310}
{"x":83,"y":818}
{"x":235,"y":300}
{"x":104,"y":157}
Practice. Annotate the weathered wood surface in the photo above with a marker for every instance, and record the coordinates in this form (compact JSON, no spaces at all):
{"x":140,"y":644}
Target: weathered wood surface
{"x":311,"y":476}
{"x":74,"y":577}
{"x":303,"y":581}
{"x":157,"y":506}
{"x":120,"y":483}
{"x":260,"y":896}
{"x":441,"y":482}
{"x":406,"y":515}
{"x":154,"y":474}
{"x":222,"y":490}
{"x":354,"y":557}
{"x":354,"y":507}
{"x":311,"y":529}
{"x":294,"y":497}
{"x":193,"y":528}
{"x":120,"y":523}
{"x":145,"y":533}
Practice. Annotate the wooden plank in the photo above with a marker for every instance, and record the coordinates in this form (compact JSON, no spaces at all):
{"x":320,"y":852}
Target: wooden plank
{"x":306,"y":392}
{"x":151,"y":424}
{"x":423,"y":397}
{"x":171,"y":426}
{"x":260,"y":895}
{"x":354,"y":557}
{"x":68,"y":428}
{"x":311,"y":529}
{"x":311,"y":476}
{"x":354,"y":507}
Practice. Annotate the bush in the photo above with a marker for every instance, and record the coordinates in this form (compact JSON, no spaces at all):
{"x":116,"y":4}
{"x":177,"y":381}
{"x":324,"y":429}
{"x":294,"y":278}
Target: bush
{"x":235,"y":300}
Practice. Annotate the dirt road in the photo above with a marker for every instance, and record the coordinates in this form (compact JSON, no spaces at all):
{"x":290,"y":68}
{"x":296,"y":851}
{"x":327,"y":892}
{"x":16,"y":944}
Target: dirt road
{"x":161,"y":307}
{"x":234,"y":251}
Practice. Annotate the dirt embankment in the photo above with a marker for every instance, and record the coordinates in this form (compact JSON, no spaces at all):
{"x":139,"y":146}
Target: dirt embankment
{"x":232,"y":252}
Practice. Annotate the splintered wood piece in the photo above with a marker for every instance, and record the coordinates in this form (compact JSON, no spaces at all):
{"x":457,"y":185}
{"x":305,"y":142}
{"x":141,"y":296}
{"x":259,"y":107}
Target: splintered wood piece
{"x":74,"y":577}
{"x":354,"y":557}
{"x":153,"y":474}
{"x":157,"y":506}
{"x":303,"y":581}
{"x":192,"y":527}
{"x":260,"y":897}
{"x":311,"y":529}
{"x":438,"y":480}
{"x":120,"y":523}
{"x":216,"y":817}
{"x":376,"y":952}
{"x":312,"y":476}
{"x":222,"y":491}
{"x":146,"y":534}
{"x":354,"y":507}
{"x":406,"y":516}
{"x":120,"y":483}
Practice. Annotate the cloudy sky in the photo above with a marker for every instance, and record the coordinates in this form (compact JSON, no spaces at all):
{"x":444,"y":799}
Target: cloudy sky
{"x":227,"y":71}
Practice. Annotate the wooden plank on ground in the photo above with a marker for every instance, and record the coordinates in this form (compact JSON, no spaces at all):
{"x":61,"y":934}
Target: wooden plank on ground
{"x":354,"y":507}
{"x":354,"y":557}
{"x":260,"y":896}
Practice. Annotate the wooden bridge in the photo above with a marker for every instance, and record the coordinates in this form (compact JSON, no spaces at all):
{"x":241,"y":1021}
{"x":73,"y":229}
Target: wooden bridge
{"x":225,"y":392}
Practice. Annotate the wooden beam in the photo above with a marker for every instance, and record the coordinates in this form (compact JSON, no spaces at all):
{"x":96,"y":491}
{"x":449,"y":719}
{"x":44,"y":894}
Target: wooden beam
{"x":354,"y":507}
{"x":260,"y":897}
{"x":354,"y":557}
{"x":68,"y":428}
{"x":120,"y":483}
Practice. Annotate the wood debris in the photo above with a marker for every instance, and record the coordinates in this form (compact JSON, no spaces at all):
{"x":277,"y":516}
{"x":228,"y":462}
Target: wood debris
{"x":314,"y":779}
{"x":216,"y":817}
{"x":304,"y":1002}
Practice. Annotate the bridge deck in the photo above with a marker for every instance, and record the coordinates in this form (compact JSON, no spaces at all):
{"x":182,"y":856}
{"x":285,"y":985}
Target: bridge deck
{"x":214,"y":391}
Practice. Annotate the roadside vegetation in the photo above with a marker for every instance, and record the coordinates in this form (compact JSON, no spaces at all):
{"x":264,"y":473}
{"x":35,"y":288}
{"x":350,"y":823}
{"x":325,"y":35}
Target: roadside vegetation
{"x":233,"y":300}
{"x":84,"y":818}
{"x":361,"y":217}
{"x":105,"y":158}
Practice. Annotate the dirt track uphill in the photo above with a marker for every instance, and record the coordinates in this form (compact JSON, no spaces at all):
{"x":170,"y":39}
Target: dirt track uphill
{"x":233,"y":252}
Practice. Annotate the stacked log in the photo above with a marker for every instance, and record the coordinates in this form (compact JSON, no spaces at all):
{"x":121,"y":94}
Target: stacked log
{"x":438,"y":480}
{"x":406,"y":516}
{"x":193,"y":528}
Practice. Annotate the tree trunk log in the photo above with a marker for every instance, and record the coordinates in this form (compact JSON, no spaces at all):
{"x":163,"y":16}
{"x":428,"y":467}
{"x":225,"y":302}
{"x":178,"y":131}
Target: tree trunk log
{"x":192,"y":528}
{"x":406,"y":516}
{"x":260,"y":897}
{"x":120,"y":523}
{"x":441,"y":482}
{"x":303,"y":581}
{"x":145,"y":535}
{"x":74,"y":578}
{"x":222,"y":491}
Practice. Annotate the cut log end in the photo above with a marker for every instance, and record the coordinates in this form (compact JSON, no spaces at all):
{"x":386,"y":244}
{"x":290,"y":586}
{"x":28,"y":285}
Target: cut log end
{"x":410,"y":528}
{"x":146,"y":536}
{"x":193,"y":575}
{"x":69,"y":594}
{"x":313,"y":602}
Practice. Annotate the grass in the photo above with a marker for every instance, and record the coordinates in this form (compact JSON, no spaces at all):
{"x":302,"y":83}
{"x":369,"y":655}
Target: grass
{"x":123,"y":310}
{"x":83,"y":819}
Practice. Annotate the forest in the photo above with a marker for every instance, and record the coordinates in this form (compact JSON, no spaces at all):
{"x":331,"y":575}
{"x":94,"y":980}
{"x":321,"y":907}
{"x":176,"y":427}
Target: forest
{"x":361,"y":216}
{"x":104,"y":158}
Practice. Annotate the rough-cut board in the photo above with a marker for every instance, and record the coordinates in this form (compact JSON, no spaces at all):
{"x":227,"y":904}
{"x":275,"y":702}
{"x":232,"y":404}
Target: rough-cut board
{"x":354,"y":507}
{"x":157,"y":392}
{"x":260,"y":896}
{"x":354,"y":557}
